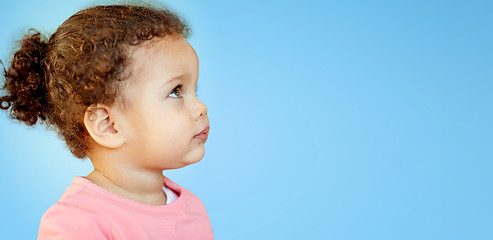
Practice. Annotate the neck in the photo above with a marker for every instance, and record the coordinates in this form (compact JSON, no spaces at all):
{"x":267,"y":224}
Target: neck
{"x":139,"y":185}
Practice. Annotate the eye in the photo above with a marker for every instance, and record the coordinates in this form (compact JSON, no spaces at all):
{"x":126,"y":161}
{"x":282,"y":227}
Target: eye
{"x":176,"y":93}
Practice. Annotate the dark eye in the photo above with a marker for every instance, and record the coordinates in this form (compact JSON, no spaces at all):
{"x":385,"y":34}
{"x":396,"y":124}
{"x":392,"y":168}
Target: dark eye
{"x":176,"y":93}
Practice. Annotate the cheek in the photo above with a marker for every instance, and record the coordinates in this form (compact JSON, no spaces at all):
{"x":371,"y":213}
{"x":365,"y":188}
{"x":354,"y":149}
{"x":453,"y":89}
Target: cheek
{"x":176,"y":129}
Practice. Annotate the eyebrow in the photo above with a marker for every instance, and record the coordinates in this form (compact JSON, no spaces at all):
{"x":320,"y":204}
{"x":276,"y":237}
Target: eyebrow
{"x":176,"y":79}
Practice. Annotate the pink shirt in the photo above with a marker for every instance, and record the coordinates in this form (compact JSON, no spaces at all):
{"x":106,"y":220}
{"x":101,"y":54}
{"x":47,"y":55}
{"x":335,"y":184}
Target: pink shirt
{"x":87,"y":211}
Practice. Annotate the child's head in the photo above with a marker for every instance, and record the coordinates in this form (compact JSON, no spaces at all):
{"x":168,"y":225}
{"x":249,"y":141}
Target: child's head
{"x":100,"y":57}
{"x":161,"y":118}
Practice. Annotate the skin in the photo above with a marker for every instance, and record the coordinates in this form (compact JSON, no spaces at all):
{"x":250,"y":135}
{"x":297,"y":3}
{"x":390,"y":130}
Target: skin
{"x":155,"y":127}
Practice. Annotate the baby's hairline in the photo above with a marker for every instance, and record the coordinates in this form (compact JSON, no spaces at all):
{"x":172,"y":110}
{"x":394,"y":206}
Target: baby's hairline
{"x":128,"y":78}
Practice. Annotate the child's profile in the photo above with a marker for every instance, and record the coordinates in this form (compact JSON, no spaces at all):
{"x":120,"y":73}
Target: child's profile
{"x":118,"y":83}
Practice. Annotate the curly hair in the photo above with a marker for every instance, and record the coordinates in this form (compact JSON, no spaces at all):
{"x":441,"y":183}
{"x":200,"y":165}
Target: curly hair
{"x":54,"y":81}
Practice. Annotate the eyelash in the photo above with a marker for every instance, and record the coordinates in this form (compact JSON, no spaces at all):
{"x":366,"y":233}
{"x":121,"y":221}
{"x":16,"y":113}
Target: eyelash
{"x":177,"y":91}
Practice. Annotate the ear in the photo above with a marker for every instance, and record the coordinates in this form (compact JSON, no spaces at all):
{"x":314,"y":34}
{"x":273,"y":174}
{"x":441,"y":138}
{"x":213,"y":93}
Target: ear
{"x":101,"y":126}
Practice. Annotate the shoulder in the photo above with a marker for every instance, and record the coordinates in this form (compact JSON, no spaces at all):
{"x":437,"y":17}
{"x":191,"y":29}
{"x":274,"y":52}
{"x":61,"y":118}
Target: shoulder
{"x":66,"y":221}
{"x":75,"y":216}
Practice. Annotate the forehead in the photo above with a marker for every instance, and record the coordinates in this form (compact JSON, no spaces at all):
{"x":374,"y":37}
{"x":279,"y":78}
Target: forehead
{"x":162,"y":59}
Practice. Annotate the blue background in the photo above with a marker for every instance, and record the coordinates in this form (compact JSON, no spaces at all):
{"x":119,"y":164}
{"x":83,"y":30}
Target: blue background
{"x":329,"y":120}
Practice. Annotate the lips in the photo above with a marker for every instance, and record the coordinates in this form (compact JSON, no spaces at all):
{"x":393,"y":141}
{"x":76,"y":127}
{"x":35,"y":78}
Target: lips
{"x":203,"y":135}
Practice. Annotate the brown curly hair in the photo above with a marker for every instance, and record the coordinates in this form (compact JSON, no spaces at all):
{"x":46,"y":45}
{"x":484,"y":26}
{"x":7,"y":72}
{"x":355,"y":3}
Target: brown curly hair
{"x":81,"y":64}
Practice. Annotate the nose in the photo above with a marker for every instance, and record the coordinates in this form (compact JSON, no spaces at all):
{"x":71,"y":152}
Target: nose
{"x":200,"y":110}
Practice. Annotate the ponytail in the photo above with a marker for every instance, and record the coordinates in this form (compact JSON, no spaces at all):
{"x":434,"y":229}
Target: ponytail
{"x":25,"y":82}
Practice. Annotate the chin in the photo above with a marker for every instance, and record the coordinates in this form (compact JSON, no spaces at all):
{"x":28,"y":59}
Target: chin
{"x":186,"y":162}
{"x":196,"y":156}
{"x":196,"y":160}
{"x":181,"y":165}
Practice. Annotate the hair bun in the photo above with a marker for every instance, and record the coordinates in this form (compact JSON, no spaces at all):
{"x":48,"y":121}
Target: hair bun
{"x":25,"y":82}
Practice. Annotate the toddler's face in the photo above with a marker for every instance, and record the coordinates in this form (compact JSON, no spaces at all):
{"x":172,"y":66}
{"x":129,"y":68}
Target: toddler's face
{"x":163,"y":118}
